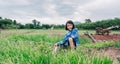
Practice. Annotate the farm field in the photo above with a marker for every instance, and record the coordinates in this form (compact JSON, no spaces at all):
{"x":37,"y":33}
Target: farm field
{"x":35,"y":47}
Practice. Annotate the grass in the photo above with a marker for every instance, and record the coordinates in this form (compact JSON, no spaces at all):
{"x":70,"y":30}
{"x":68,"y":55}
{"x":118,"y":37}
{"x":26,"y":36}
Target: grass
{"x":35,"y":47}
{"x":98,"y":45}
{"x":117,"y":45}
{"x":118,"y":59}
{"x":35,"y":38}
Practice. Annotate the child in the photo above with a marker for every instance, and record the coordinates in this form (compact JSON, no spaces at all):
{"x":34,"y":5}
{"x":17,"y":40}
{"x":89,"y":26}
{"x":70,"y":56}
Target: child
{"x":71,"y":37}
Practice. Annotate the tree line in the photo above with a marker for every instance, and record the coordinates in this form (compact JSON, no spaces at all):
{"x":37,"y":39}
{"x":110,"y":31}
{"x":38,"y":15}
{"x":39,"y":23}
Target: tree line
{"x":102,"y":23}
{"x":13,"y":24}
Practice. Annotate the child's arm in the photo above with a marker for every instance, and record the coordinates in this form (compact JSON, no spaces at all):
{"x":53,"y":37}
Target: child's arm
{"x":74,"y":33}
{"x":65,"y":38}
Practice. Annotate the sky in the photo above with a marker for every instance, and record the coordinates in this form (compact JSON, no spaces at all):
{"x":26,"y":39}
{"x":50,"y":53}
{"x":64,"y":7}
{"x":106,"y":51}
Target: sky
{"x":59,"y":11}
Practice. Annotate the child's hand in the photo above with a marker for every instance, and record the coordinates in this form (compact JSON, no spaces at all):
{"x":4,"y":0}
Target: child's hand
{"x":55,"y":48}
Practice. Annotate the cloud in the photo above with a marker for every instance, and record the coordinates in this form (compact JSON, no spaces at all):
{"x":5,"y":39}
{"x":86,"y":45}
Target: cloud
{"x":103,"y":9}
{"x":59,"y":11}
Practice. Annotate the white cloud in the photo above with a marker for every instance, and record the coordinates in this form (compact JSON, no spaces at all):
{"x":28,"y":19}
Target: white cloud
{"x":59,"y":11}
{"x":102,"y":9}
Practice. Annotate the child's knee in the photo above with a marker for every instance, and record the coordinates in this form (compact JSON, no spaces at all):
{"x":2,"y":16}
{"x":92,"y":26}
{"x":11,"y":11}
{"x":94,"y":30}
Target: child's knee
{"x":55,"y":44}
{"x":70,"y":39}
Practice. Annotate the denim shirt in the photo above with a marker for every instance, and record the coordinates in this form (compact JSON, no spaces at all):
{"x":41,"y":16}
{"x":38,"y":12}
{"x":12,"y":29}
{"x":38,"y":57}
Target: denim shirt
{"x":70,"y":34}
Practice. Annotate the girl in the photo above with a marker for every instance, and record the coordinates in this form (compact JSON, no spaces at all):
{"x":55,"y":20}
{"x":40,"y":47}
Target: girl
{"x":70,"y":39}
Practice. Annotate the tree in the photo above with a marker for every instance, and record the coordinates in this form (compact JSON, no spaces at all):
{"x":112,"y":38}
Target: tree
{"x":102,"y":23}
{"x":88,"y":21}
{"x":38,"y":25}
{"x":14,"y":22}
{"x":0,"y":17}
{"x":34,"y":23}
{"x":21,"y":26}
{"x":29,"y":26}
{"x":5,"y":22}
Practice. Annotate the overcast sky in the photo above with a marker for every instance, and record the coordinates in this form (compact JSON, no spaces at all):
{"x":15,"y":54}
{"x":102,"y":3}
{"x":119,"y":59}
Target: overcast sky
{"x":59,"y":11}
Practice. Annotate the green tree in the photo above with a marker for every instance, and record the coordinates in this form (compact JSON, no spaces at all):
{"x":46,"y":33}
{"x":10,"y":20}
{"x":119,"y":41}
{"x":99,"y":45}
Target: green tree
{"x":14,"y":22}
{"x":0,"y":17}
{"x":29,"y":26}
{"x":34,"y":23}
{"x":88,"y":21}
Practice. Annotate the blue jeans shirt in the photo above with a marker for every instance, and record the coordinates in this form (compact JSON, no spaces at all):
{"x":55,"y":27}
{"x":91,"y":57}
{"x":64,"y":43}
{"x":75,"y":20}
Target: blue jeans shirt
{"x":70,"y":34}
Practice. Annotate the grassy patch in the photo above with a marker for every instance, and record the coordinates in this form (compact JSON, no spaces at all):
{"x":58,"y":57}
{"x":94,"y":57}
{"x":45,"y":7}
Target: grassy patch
{"x":37,"y":48}
{"x":98,"y":45}
{"x":117,"y":44}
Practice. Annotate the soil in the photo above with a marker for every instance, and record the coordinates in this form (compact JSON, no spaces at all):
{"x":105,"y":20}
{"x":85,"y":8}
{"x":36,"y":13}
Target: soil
{"x":104,"y":38}
{"x":111,"y":37}
{"x":113,"y":53}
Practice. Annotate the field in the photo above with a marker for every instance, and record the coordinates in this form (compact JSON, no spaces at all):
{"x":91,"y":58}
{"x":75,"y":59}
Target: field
{"x":35,"y":47}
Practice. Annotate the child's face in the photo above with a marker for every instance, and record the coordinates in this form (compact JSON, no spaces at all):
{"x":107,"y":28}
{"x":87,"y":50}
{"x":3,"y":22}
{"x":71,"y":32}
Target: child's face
{"x":69,"y":26}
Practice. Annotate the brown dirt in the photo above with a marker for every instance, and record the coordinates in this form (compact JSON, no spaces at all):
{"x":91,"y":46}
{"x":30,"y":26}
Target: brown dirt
{"x":111,"y":37}
{"x":84,"y":36}
{"x":104,"y":38}
{"x":112,"y":52}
